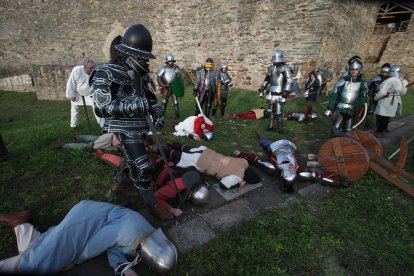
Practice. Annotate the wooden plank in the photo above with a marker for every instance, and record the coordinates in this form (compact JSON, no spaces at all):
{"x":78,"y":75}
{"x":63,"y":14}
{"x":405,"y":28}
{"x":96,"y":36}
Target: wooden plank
{"x":403,"y":157}
{"x":397,"y":182}
{"x":387,"y":164}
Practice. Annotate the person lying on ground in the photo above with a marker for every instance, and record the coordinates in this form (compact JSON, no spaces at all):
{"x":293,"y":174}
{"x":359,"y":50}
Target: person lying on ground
{"x":195,"y":127}
{"x":189,"y":183}
{"x":254,"y":114}
{"x":232,"y":172}
{"x":186,"y":184}
{"x":188,"y":187}
{"x":300,"y":116}
{"x":281,"y":161}
{"x":107,"y":141}
{"x":89,"y":229}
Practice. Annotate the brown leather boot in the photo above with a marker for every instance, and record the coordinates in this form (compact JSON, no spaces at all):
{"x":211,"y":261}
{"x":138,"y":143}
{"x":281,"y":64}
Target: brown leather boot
{"x":248,"y":156}
{"x":98,"y":154}
{"x":12,"y":220}
{"x":158,"y":211}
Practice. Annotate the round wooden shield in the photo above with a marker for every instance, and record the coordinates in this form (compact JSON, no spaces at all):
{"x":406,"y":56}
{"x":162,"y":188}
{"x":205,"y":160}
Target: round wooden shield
{"x":344,"y":157}
{"x":368,"y":141}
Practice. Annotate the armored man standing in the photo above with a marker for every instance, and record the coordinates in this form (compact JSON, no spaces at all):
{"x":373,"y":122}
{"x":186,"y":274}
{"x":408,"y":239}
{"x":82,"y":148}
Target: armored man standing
{"x":121,"y":94}
{"x":168,"y":78}
{"x":223,"y":84}
{"x":347,"y":98}
{"x":205,"y":87}
{"x":278,"y":82}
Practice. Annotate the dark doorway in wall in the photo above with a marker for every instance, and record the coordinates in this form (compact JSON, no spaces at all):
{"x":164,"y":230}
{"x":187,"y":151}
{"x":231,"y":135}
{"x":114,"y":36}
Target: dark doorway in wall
{"x":394,"y":16}
{"x":114,"y":54}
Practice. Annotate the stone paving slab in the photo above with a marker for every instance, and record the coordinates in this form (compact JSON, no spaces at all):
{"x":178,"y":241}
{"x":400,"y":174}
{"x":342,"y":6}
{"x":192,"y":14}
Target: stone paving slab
{"x":403,"y":126}
{"x":231,"y":194}
{"x":191,"y":234}
{"x":267,"y":197}
{"x":396,"y":124}
{"x":315,"y":192}
{"x":225,"y":217}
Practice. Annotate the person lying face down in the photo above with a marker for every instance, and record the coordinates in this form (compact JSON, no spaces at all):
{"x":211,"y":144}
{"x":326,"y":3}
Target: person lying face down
{"x":281,"y":160}
{"x":89,"y":229}
{"x":254,"y":114}
{"x":232,"y":172}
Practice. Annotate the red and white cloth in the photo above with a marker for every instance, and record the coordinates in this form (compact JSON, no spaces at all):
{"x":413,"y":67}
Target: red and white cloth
{"x":196,"y":125}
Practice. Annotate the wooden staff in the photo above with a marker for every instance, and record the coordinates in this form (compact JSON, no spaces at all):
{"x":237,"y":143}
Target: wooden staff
{"x":86,"y":110}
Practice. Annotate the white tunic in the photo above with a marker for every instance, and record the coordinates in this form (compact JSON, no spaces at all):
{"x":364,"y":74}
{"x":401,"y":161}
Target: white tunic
{"x":390,"y":105}
{"x":78,"y":83}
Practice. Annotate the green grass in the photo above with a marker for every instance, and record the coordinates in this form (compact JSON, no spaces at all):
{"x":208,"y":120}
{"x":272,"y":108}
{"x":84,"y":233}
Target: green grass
{"x":366,"y":229}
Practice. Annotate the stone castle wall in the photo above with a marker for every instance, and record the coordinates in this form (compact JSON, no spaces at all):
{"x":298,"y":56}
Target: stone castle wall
{"x":22,"y":83}
{"x":348,"y":29}
{"x":243,"y":33}
{"x":400,"y":50}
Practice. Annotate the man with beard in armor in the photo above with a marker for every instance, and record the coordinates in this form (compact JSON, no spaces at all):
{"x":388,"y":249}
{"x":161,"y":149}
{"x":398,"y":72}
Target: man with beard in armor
{"x":205,"y":87}
{"x":347,"y":98}
{"x":166,"y":75}
{"x":277,"y":84}
{"x":223,"y":84}
{"x":122,"y":94}
{"x":374,"y":87}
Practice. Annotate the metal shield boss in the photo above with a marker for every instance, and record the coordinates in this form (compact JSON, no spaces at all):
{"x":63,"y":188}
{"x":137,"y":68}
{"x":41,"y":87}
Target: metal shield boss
{"x":177,"y":86}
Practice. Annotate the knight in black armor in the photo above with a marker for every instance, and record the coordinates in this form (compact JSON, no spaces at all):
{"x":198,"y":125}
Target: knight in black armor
{"x":348,"y":98}
{"x":205,"y":87}
{"x":122,"y":94}
{"x":277,"y":84}
{"x":166,"y":75}
{"x":223,"y":84}
{"x":373,"y":88}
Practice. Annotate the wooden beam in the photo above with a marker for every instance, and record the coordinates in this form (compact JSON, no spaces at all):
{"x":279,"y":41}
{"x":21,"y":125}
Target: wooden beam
{"x":394,"y":180}
{"x":399,"y":12}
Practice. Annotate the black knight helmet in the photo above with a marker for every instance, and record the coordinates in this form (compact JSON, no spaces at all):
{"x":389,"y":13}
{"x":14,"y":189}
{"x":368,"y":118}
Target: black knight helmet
{"x":137,"y":43}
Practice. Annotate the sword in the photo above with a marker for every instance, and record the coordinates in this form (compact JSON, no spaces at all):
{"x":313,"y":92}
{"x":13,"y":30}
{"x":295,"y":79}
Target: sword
{"x":164,"y":158}
{"x":199,"y":106}
{"x":86,"y":110}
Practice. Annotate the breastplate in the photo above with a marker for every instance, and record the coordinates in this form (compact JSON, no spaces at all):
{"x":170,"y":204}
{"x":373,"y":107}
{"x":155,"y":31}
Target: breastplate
{"x":350,"y":92}
{"x":207,"y":80}
{"x":224,"y":77}
{"x":170,"y":75}
{"x":276,"y":81}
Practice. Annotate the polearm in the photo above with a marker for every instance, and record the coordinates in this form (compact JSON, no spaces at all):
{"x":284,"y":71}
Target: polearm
{"x":164,"y":158}
{"x":86,"y":110}
{"x":398,"y":150}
